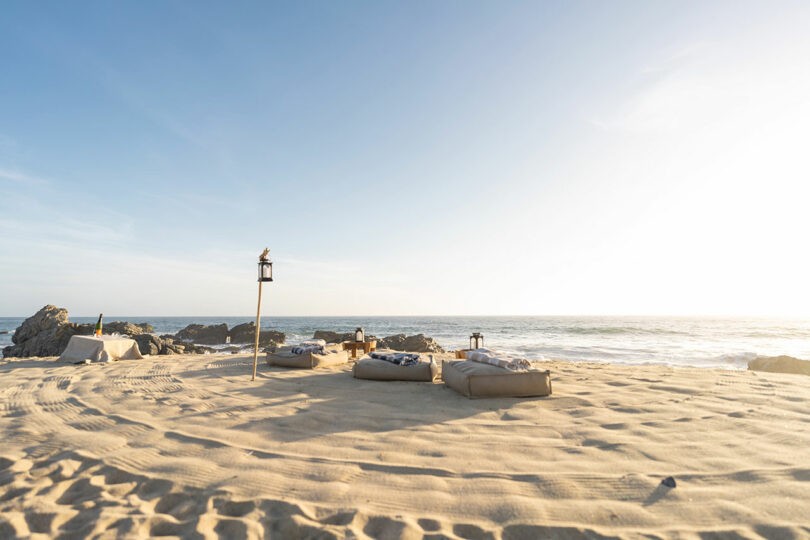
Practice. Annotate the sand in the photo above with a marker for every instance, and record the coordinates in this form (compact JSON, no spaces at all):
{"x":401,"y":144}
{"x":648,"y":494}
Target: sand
{"x":188,"y":446}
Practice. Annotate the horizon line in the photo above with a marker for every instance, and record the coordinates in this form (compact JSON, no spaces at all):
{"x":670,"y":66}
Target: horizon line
{"x":713,"y":315}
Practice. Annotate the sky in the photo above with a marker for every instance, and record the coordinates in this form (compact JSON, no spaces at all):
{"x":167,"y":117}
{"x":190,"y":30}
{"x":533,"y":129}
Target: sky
{"x":410,"y":158}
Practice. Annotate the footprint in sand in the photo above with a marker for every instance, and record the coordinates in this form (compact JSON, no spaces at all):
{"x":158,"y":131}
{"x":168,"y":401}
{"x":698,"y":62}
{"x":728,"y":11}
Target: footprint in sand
{"x":235,"y":508}
{"x":429,"y":525}
{"x":472,"y":532}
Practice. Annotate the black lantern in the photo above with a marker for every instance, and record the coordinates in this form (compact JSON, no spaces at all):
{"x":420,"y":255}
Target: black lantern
{"x":265,"y":274}
{"x":359,"y":335}
{"x":475,"y":338}
{"x":265,"y":270}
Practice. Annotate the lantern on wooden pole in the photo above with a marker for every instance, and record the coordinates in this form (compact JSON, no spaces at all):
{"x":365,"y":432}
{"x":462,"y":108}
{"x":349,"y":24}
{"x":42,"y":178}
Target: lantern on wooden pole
{"x":265,"y":274}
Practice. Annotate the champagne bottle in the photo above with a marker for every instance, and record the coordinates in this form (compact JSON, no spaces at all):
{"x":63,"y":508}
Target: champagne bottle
{"x":97,"y":333}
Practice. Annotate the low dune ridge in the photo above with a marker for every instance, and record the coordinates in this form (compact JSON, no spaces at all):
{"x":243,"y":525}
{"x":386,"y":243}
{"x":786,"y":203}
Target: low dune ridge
{"x":780,"y":364}
{"x":190,"y":447}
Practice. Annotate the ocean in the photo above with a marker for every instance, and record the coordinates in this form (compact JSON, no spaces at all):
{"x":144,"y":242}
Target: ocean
{"x":676,"y":341}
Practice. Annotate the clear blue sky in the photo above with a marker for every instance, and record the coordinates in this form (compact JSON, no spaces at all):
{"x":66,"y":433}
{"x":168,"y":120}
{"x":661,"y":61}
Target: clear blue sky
{"x":405,"y":158}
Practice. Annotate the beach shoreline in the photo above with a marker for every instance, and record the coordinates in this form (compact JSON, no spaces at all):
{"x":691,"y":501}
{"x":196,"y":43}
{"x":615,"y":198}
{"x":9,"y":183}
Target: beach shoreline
{"x":189,"y":445}
{"x":711,"y":342}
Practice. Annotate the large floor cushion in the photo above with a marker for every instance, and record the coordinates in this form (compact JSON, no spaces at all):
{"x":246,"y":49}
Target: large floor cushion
{"x":285,"y":358}
{"x":381,"y":370}
{"x":476,"y":380}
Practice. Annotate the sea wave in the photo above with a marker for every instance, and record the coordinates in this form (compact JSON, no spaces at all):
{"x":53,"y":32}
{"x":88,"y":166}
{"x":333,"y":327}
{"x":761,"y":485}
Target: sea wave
{"x":608,"y":330}
{"x":737,"y":359}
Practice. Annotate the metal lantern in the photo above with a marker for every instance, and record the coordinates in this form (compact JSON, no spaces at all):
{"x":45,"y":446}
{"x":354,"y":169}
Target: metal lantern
{"x":359,"y":335}
{"x":265,"y":270}
{"x":475,"y":337}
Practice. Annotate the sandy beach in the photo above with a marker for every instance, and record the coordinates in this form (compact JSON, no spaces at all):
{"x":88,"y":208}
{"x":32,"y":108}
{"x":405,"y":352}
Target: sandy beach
{"x":190,"y":447}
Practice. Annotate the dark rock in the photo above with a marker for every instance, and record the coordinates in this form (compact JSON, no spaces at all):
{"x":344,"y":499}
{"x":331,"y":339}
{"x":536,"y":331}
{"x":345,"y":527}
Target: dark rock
{"x":37,"y":335}
{"x":669,"y":482}
{"x":395,"y":342}
{"x":332,"y":337}
{"x":127,"y":328}
{"x":270,"y":337}
{"x":191,"y":348}
{"x":421,"y":343}
{"x":243,"y":333}
{"x":417,"y":343}
{"x":166,"y":344}
{"x":337,"y":337}
{"x":246,"y":333}
{"x":148,"y":343}
{"x":48,"y":332}
{"x":209,"y":335}
{"x":66,"y":331}
{"x":47,"y":319}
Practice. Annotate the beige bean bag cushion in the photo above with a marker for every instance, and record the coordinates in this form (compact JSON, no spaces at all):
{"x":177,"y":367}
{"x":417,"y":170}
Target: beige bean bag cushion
{"x":381,"y":370}
{"x":476,"y":380}
{"x":285,"y":358}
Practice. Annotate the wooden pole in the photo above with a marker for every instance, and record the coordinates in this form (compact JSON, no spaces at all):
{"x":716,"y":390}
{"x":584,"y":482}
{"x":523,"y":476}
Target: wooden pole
{"x":256,"y":345}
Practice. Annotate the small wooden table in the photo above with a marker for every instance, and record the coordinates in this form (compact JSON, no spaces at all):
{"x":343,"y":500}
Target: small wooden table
{"x":461,"y":354}
{"x":366,"y":346}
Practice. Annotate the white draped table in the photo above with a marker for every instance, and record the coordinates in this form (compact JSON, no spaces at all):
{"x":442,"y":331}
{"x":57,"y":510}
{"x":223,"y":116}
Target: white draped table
{"x":100,"y":349}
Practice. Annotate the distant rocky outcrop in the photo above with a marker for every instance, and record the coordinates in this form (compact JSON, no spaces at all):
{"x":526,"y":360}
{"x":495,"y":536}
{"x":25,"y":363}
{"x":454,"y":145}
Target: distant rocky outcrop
{"x":126,"y":328}
{"x":780,"y":364}
{"x":397,"y":342}
{"x":148,"y":343}
{"x":218,"y":334}
{"x":48,"y":332}
{"x":40,"y":334}
{"x":167,"y":344}
{"x":417,"y":343}
{"x":334,"y":337}
{"x":214,"y":334}
{"x":246,"y":333}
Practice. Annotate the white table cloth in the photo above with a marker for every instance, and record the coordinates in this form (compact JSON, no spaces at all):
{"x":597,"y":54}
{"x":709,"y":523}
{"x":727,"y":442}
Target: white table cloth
{"x":100,"y":349}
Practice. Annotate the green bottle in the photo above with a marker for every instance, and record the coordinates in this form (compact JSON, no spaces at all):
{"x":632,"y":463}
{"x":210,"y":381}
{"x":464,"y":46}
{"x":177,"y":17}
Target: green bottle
{"x":97,"y":333}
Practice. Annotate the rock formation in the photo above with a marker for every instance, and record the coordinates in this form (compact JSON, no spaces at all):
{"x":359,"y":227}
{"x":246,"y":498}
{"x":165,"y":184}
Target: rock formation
{"x":40,"y":334}
{"x":397,"y":342}
{"x":167,"y":344}
{"x":48,"y":332}
{"x":417,"y":343}
{"x":333,"y":337}
{"x":246,"y":333}
{"x":127,"y":328}
{"x":218,"y":334}
{"x":215,"y":334}
{"x":148,"y":343}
